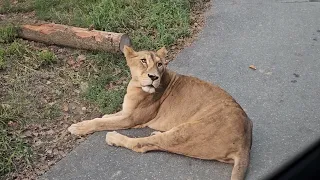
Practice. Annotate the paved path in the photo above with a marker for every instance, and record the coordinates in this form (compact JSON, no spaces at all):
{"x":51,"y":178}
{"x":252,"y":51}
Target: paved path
{"x":282,"y":97}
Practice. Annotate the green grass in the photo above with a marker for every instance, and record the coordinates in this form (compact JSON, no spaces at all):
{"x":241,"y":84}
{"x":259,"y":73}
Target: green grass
{"x":7,"y":6}
{"x":18,"y":63}
{"x":2,"y":59}
{"x":16,"y":49}
{"x":107,"y":88}
{"x":19,"y":53}
{"x":46,"y":57}
{"x":150,"y":23}
{"x":13,"y":150}
{"x":8,"y":33}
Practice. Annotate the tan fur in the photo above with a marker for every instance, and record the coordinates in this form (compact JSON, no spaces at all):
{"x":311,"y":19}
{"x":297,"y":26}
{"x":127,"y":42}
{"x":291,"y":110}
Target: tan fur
{"x":196,"y":119}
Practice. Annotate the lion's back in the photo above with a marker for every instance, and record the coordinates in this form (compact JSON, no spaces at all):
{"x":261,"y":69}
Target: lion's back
{"x":191,"y":98}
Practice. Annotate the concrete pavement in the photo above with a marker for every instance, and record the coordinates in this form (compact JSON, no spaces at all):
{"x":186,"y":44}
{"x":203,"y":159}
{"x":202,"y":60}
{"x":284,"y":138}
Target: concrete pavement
{"x":282,"y":97}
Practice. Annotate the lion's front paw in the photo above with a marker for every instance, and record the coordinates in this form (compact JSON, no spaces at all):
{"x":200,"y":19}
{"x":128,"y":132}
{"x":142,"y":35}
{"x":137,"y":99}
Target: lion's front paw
{"x":81,"y":128}
{"x":114,"y":138}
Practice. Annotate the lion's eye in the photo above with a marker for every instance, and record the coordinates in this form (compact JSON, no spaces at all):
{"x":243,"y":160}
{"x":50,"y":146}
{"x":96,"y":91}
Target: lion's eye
{"x":144,"y":61}
{"x":159,"y":64}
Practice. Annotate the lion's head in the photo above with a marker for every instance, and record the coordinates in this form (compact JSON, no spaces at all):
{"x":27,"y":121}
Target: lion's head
{"x":147,"y":67}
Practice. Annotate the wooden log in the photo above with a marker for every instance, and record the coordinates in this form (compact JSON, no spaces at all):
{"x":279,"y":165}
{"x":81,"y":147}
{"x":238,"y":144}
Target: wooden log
{"x":75,"y":37}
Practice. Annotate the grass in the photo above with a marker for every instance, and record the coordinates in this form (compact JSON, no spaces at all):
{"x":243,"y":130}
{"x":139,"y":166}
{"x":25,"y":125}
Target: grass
{"x":17,"y":106}
{"x":9,"y":6}
{"x":2,"y":60}
{"x":46,"y":57}
{"x":150,"y":23}
{"x":8,"y":33}
{"x":24,"y":69}
{"x":18,"y":64}
{"x":108,"y":87}
{"x":13,"y":150}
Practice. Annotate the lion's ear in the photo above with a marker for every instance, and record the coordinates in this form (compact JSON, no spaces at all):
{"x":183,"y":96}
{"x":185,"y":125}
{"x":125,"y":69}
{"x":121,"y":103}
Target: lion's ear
{"x":128,"y":51}
{"x":124,"y":41}
{"x":162,"y":53}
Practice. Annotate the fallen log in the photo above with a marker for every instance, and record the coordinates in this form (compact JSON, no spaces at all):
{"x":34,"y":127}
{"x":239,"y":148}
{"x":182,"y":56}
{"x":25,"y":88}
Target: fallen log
{"x":75,"y":37}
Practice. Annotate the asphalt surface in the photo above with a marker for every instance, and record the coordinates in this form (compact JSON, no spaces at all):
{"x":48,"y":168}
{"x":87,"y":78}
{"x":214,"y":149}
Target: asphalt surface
{"x":282,"y":97}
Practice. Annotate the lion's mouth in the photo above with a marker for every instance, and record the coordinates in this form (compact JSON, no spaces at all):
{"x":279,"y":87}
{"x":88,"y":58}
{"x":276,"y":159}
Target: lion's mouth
{"x":149,"y":86}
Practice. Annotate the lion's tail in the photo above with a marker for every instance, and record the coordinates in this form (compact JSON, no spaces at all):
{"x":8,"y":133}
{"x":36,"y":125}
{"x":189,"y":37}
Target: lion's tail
{"x":240,"y":167}
{"x":241,"y":161}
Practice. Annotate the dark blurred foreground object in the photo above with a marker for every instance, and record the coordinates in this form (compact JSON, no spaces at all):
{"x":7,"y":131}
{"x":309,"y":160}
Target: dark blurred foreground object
{"x":306,"y":166}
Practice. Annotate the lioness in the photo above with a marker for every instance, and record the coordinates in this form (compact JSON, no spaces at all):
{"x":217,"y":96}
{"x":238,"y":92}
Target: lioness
{"x":192,"y":117}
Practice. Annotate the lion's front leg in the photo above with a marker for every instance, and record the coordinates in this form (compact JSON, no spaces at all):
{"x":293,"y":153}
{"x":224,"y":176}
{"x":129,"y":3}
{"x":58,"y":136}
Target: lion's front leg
{"x":100,"y":124}
{"x":111,"y":115}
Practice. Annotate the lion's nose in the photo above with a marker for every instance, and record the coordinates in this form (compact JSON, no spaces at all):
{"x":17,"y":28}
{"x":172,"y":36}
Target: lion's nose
{"x":153,"y":77}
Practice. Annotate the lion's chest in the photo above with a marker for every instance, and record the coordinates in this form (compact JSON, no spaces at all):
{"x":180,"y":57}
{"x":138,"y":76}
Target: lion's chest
{"x":142,"y":109}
